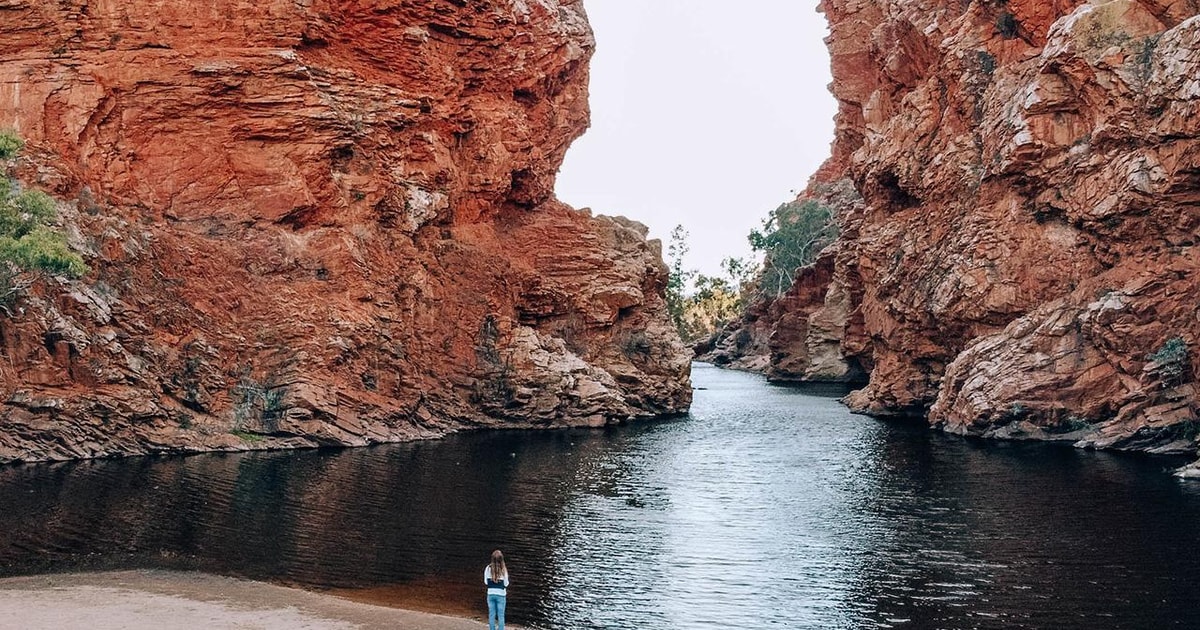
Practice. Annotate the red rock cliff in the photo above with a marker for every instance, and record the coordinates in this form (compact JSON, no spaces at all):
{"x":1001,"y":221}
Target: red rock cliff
{"x":1023,"y":259}
{"x":317,"y":222}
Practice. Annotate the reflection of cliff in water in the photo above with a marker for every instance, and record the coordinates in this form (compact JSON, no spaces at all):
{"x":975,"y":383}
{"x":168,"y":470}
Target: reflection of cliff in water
{"x":768,"y":508}
{"x":949,"y":540}
{"x":349,"y":518}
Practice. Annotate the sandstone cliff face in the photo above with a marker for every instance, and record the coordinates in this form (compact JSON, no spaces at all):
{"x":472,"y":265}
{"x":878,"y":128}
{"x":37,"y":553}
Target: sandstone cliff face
{"x":1027,"y":240}
{"x":315,"y":223}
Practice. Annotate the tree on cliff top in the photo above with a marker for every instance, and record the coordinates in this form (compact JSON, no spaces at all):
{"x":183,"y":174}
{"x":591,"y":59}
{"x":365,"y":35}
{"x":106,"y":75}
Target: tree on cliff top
{"x":791,"y":237}
{"x":27,"y":240}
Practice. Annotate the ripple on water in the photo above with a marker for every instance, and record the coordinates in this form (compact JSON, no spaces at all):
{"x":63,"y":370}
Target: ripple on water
{"x":769,"y":508}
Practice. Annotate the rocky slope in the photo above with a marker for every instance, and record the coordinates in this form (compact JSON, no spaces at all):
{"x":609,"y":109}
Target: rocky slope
{"x":317,"y":223}
{"x":1023,"y":261}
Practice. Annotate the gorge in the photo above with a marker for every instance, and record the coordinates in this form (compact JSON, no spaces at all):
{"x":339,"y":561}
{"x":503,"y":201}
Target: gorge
{"x":315,"y":223}
{"x":320,"y":223}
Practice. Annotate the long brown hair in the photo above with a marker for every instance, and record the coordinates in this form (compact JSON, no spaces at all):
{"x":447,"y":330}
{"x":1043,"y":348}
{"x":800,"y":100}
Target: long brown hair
{"x":499,"y":571}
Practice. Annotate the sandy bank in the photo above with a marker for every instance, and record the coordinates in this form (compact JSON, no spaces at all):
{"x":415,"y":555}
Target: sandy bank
{"x":158,"y":600}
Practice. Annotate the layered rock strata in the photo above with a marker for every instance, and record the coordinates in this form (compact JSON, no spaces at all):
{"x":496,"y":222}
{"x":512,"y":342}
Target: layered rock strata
{"x":1024,"y":260}
{"x":317,"y":223}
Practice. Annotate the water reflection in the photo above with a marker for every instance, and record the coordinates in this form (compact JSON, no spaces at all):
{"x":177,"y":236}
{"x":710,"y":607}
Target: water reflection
{"x":768,"y":508}
{"x":1026,"y":536}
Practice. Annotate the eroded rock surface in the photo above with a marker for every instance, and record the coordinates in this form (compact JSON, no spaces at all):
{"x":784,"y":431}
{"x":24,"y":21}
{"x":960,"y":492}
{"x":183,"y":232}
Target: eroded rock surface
{"x":1027,"y":237}
{"x":314,"y":223}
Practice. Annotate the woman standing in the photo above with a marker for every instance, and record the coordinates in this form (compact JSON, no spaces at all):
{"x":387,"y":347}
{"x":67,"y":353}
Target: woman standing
{"x":495,"y":576}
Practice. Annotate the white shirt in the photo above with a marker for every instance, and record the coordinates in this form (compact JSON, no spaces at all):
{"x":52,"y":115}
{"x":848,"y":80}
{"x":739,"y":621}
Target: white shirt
{"x":487,"y":575}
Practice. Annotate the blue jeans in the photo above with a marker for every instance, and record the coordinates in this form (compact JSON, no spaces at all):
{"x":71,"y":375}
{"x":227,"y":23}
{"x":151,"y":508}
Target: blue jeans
{"x":495,"y":611}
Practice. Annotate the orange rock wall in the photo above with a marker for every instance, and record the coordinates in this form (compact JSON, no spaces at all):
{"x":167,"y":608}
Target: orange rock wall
{"x":317,"y":222}
{"x":1030,"y":205}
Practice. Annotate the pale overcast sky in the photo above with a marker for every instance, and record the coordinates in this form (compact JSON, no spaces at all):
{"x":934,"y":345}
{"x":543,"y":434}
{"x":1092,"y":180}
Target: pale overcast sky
{"x":705,"y":113}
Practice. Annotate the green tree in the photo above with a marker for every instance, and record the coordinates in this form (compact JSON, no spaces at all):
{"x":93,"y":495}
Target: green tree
{"x":700,"y":305}
{"x":742,"y":274}
{"x":714,"y":303}
{"x":42,"y":249}
{"x":10,"y":144}
{"x":27,"y":241}
{"x":1172,"y":361}
{"x":791,"y":237}
{"x":20,"y":214}
{"x":678,"y":277}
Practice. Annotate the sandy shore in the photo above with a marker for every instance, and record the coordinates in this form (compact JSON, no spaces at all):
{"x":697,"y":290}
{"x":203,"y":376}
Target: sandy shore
{"x":158,"y":600}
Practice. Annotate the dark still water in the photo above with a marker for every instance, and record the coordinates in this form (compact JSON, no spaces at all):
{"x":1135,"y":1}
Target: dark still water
{"x":767,"y":508}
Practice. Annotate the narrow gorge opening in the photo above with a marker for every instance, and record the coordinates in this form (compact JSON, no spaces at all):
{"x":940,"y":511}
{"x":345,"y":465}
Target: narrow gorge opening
{"x":704,"y":116}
